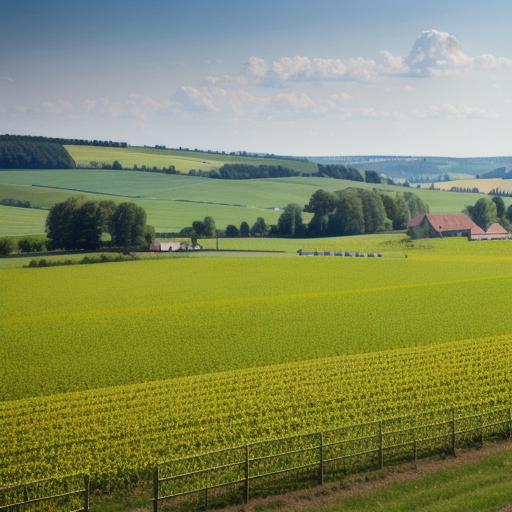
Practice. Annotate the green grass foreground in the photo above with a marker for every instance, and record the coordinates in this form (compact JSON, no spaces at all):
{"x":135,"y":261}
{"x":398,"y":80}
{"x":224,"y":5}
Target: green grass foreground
{"x":483,"y":486}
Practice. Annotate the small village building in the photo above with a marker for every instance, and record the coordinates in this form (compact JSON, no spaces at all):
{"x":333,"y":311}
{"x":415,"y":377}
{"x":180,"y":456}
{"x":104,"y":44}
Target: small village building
{"x":497,"y":232}
{"x":477,"y":233}
{"x":436,"y":225}
{"x":157,"y":246}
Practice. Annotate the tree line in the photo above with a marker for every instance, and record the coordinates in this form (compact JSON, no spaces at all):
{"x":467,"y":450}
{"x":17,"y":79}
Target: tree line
{"x":76,"y":224}
{"x":60,"y":140}
{"x":251,"y":172}
{"x":357,"y":211}
{"x":22,"y":154}
{"x":341,"y":213}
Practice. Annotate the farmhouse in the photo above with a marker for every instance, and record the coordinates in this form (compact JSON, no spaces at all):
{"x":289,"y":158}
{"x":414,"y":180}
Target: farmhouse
{"x":436,"y":225}
{"x":165,"y":246}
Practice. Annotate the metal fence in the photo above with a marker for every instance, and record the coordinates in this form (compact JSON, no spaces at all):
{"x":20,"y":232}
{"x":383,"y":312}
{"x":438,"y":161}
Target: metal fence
{"x":65,"y":493}
{"x":237,"y":474}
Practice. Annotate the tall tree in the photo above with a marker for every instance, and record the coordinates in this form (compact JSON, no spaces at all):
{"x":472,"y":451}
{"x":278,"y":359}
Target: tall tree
{"x":290,"y":221}
{"x":61,"y":223}
{"x":209,"y":227}
{"x":129,"y":225}
{"x":500,"y":206}
{"x":483,"y":213}
{"x":402,"y":214}
{"x":321,"y":203}
{"x":259,"y":228}
{"x":348,"y":218}
{"x":373,"y":211}
{"x":244,"y":229}
{"x":232,"y":231}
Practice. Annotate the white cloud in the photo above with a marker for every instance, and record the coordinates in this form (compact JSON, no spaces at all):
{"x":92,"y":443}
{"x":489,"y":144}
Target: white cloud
{"x":433,"y":53}
{"x":8,"y":79}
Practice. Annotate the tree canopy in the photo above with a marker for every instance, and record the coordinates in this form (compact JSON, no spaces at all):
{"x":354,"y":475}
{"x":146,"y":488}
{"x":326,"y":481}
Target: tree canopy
{"x":76,"y":224}
{"x":483,"y":213}
{"x":249,"y":172}
{"x":290,"y":221}
{"x":24,"y":154}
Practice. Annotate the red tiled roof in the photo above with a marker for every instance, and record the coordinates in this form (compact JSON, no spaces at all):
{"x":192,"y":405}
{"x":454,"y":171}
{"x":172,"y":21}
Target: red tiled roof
{"x":416,"y":221}
{"x":477,"y":230}
{"x":444,"y":221}
{"x":496,"y":229}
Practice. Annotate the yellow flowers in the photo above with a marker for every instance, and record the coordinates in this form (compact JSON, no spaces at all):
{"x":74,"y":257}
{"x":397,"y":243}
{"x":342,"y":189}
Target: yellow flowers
{"x":119,"y":431}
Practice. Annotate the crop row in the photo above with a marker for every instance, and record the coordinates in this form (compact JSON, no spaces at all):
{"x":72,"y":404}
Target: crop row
{"x":115,"y":433}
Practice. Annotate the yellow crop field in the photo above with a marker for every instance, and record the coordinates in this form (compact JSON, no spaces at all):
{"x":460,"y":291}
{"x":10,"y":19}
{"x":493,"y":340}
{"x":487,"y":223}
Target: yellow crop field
{"x":118,"y":432}
{"x":483,"y":185}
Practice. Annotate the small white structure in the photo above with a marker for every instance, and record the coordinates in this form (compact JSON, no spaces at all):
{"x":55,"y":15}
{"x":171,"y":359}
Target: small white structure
{"x":157,"y":246}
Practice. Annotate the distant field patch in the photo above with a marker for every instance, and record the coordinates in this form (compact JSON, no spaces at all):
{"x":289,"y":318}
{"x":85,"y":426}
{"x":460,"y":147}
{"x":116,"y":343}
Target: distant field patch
{"x":21,"y":221}
{"x":484,"y":186}
{"x":183,"y":161}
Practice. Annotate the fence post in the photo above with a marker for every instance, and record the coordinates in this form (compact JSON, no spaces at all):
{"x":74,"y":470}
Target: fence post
{"x":381,"y":454}
{"x":86,"y":493}
{"x":246,"y":483}
{"x":414,"y":451}
{"x":321,"y":462}
{"x":453,"y":432}
{"x":155,"y":488}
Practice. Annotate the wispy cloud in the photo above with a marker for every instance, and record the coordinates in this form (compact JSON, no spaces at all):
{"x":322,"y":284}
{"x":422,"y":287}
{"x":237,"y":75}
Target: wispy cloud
{"x":8,"y":79}
{"x":450,"y":111}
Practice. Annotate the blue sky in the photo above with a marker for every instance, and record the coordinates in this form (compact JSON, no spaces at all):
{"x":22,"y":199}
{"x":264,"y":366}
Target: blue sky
{"x":285,"y":77}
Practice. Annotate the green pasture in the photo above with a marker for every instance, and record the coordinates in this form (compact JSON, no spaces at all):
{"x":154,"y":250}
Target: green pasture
{"x":265,"y":193}
{"x":482,"y":486}
{"x":15,"y":221}
{"x":173,"y":202}
{"x":183,"y":161}
{"x":120,"y":323}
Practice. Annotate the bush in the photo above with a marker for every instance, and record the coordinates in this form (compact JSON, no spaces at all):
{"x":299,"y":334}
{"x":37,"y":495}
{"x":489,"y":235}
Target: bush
{"x":6,"y":246}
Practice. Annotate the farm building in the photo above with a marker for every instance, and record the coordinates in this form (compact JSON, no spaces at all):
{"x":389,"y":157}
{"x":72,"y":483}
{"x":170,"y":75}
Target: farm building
{"x":436,"y":225}
{"x":477,"y":233}
{"x":495,"y":232}
{"x":165,"y":246}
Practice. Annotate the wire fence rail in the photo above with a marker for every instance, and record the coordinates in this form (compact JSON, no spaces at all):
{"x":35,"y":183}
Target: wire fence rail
{"x":235,"y":475}
{"x":61,"y":494}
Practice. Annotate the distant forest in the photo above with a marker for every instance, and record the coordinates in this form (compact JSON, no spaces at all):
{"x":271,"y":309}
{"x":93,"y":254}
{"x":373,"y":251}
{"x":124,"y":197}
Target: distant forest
{"x":31,"y":154}
{"x":339,"y":172}
{"x":248,"y":172}
{"x":251,"y":172}
{"x":68,"y":142}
